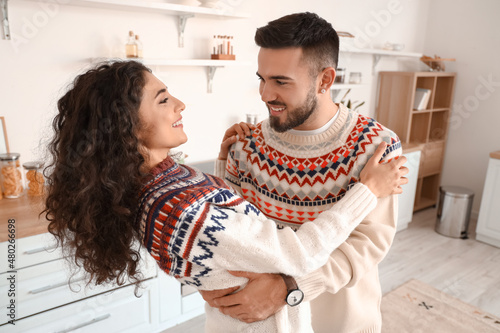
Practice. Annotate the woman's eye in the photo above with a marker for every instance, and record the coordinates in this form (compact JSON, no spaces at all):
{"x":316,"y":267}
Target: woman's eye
{"x":164,"y":101}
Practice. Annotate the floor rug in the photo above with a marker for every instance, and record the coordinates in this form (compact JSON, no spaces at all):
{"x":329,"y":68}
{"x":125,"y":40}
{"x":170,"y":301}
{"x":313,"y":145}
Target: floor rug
{"x":417,"y":307}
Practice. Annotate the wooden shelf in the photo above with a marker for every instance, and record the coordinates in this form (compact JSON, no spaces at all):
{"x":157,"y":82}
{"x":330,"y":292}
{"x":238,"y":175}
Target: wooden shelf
{"x":424,"y":203}
{"x":427,"y":127}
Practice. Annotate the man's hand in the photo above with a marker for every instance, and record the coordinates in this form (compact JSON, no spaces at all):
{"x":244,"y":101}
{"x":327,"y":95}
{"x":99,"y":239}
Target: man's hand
{"x":233,"y":133}
{"x":263,"y":296}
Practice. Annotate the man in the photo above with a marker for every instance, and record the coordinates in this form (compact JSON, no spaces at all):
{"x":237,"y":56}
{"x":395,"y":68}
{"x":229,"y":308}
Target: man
{"x":298,"y":163}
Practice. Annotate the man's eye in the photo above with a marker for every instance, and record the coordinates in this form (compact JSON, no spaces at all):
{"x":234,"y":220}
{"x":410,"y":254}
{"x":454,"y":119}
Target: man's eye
{"x":281,"y":83}
{"x":164,"y":101}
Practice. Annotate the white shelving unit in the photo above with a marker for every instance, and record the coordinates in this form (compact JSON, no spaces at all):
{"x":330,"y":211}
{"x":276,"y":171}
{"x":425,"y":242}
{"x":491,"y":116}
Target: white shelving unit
{"x":377,"y":54}
{"x":212,"y":65}
{"x":341,"y":86}
{"x":181,"y":11}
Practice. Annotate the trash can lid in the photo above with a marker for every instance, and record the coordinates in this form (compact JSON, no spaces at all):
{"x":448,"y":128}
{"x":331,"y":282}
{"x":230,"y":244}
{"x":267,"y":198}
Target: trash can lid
{"x":456,"y":191}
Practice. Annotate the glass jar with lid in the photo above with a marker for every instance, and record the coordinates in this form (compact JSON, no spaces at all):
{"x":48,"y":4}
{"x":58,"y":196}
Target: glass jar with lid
{"x":11,"y":176}
{"x":34,"y":178}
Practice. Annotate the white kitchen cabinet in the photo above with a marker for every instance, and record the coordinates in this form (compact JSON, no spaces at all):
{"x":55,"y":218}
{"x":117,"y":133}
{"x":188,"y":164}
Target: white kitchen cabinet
{"x":116,"y":311}
{"x":406,"y":200}
{"x":46,"y":303}
{"x":488,"y":223}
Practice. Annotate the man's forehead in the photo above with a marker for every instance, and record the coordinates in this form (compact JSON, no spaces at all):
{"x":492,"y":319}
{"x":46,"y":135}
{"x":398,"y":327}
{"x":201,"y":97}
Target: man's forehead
{"x":285,"y":62}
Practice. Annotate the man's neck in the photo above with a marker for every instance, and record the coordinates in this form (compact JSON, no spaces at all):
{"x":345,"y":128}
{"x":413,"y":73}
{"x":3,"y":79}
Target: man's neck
{"x":324,"y":113}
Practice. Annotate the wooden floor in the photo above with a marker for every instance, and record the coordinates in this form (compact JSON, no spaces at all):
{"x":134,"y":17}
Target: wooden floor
{"x":466,"y":269}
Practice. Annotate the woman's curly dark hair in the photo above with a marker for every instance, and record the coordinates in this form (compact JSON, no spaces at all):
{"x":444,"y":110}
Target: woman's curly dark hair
{"x":96,"y":174}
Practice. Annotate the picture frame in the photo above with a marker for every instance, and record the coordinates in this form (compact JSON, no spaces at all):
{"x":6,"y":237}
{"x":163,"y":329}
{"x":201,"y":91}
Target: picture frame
{"x":4,"y":141}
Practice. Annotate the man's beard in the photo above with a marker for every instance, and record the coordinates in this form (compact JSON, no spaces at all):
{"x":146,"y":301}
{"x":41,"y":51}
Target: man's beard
{"x":294,"y":117}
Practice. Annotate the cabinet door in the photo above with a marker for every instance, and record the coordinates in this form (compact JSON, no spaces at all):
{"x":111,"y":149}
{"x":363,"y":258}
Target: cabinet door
{"x":117,"y":311}
{"x":488,"y":224}
{"x":32,"y":250}
{"x":407,"y":198}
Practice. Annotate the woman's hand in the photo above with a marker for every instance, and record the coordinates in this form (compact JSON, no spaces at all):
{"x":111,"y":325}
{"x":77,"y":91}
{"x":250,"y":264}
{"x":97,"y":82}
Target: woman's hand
{"x":384,"y":179}
{"x":233,"y":134}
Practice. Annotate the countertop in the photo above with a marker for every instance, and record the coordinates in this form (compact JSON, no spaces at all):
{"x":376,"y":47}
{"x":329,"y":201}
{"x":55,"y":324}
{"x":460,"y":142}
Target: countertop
{"x":495,"y":154}
{"x":25,"y":211}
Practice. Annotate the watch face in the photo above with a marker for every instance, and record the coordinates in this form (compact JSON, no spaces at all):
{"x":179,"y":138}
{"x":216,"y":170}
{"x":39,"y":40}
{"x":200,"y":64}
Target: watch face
{"x":294,"y":297}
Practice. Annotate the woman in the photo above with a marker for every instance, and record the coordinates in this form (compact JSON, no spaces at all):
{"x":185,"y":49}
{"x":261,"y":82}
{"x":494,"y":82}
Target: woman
{"x":113,"y":183}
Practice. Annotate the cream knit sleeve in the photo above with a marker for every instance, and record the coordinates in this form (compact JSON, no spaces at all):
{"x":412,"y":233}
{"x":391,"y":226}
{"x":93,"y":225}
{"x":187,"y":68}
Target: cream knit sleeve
{"x":240,"y":238}
{"x":365,"y":248}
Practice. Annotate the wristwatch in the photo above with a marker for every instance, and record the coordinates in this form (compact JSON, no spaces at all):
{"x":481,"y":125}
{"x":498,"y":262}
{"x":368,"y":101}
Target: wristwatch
{"x":294,"y":294}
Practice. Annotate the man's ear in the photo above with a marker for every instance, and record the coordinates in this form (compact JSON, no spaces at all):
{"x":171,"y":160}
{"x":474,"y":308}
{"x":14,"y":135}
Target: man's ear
{"x":327,"y":77}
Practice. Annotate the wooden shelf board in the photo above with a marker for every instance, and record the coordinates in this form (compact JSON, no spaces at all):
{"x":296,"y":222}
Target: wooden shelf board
{"x":424,"y":203}
{"x":421,"y":111}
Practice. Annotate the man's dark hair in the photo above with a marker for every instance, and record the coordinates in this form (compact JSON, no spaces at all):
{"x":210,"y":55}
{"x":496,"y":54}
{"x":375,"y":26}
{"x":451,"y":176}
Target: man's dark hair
{"x":317,"y":38}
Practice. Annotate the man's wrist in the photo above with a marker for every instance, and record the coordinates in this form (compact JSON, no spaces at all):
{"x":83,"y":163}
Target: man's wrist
{"x":294,"y":294}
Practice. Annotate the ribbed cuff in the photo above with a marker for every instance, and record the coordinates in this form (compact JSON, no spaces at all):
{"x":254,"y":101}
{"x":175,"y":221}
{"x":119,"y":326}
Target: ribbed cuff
{"x":312,"y":285}
{"x":359,"y":200}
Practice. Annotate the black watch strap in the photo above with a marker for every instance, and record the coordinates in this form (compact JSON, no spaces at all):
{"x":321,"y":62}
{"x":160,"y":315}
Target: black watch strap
{"x":294,"y":294}
{"x":290,"y":282}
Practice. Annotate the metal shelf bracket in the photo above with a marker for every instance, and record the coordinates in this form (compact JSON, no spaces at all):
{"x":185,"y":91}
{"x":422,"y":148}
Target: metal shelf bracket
{"x":181,"y":26}
{"x":5,"y":19}
{"x":211,"y":73}
{"x":376,"y":59}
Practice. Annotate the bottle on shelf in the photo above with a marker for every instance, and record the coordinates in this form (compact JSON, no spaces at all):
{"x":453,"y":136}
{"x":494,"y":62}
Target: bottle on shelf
{"x":223,"y":47}
{"x":131,"y":46}
{"x":139,"y":46}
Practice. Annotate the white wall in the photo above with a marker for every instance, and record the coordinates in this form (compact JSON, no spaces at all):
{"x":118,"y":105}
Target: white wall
{"x":54,"y":42}
{"x":469,"y":32}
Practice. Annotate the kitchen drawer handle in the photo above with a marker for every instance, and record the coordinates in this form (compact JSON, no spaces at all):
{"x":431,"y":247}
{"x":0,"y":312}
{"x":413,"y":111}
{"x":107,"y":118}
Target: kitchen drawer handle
{"x":41,"y":249}
{"x":95,"y":320}
{"x":52,"y":286}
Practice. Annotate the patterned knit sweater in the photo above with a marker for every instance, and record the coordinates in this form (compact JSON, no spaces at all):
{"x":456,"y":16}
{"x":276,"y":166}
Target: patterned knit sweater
{"x":293,"y":178}
{"x":197,"y":228}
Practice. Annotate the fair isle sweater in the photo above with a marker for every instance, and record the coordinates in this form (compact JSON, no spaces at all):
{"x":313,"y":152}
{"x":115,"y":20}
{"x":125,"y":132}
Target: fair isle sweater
{"x":293,"y":178}
{"x":197,"y":228}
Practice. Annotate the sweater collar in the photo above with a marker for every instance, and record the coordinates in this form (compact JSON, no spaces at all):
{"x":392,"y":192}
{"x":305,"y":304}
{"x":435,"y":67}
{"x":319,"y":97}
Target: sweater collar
{"x":331,"y":133}
{"x":167,"y":164}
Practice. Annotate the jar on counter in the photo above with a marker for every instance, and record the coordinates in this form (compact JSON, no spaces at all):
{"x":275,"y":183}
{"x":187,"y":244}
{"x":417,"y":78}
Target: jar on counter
{"x":11,"y":176}
{"x":34,"y":178}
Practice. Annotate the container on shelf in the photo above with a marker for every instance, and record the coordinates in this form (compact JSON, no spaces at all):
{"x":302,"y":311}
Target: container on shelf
{"x":340,"y":75}
{"x":252,"y":118}
{"x":11,"y":176}
{"x":355,"y":78}
{"x":223,"y":48}
{"x":131,"y":46}
{"x":140,"y":47}
{"x":34,"y":178}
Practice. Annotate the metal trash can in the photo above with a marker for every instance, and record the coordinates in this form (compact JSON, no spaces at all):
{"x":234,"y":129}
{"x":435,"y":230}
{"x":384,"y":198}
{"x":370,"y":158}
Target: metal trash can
{"x":454,"y":208}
